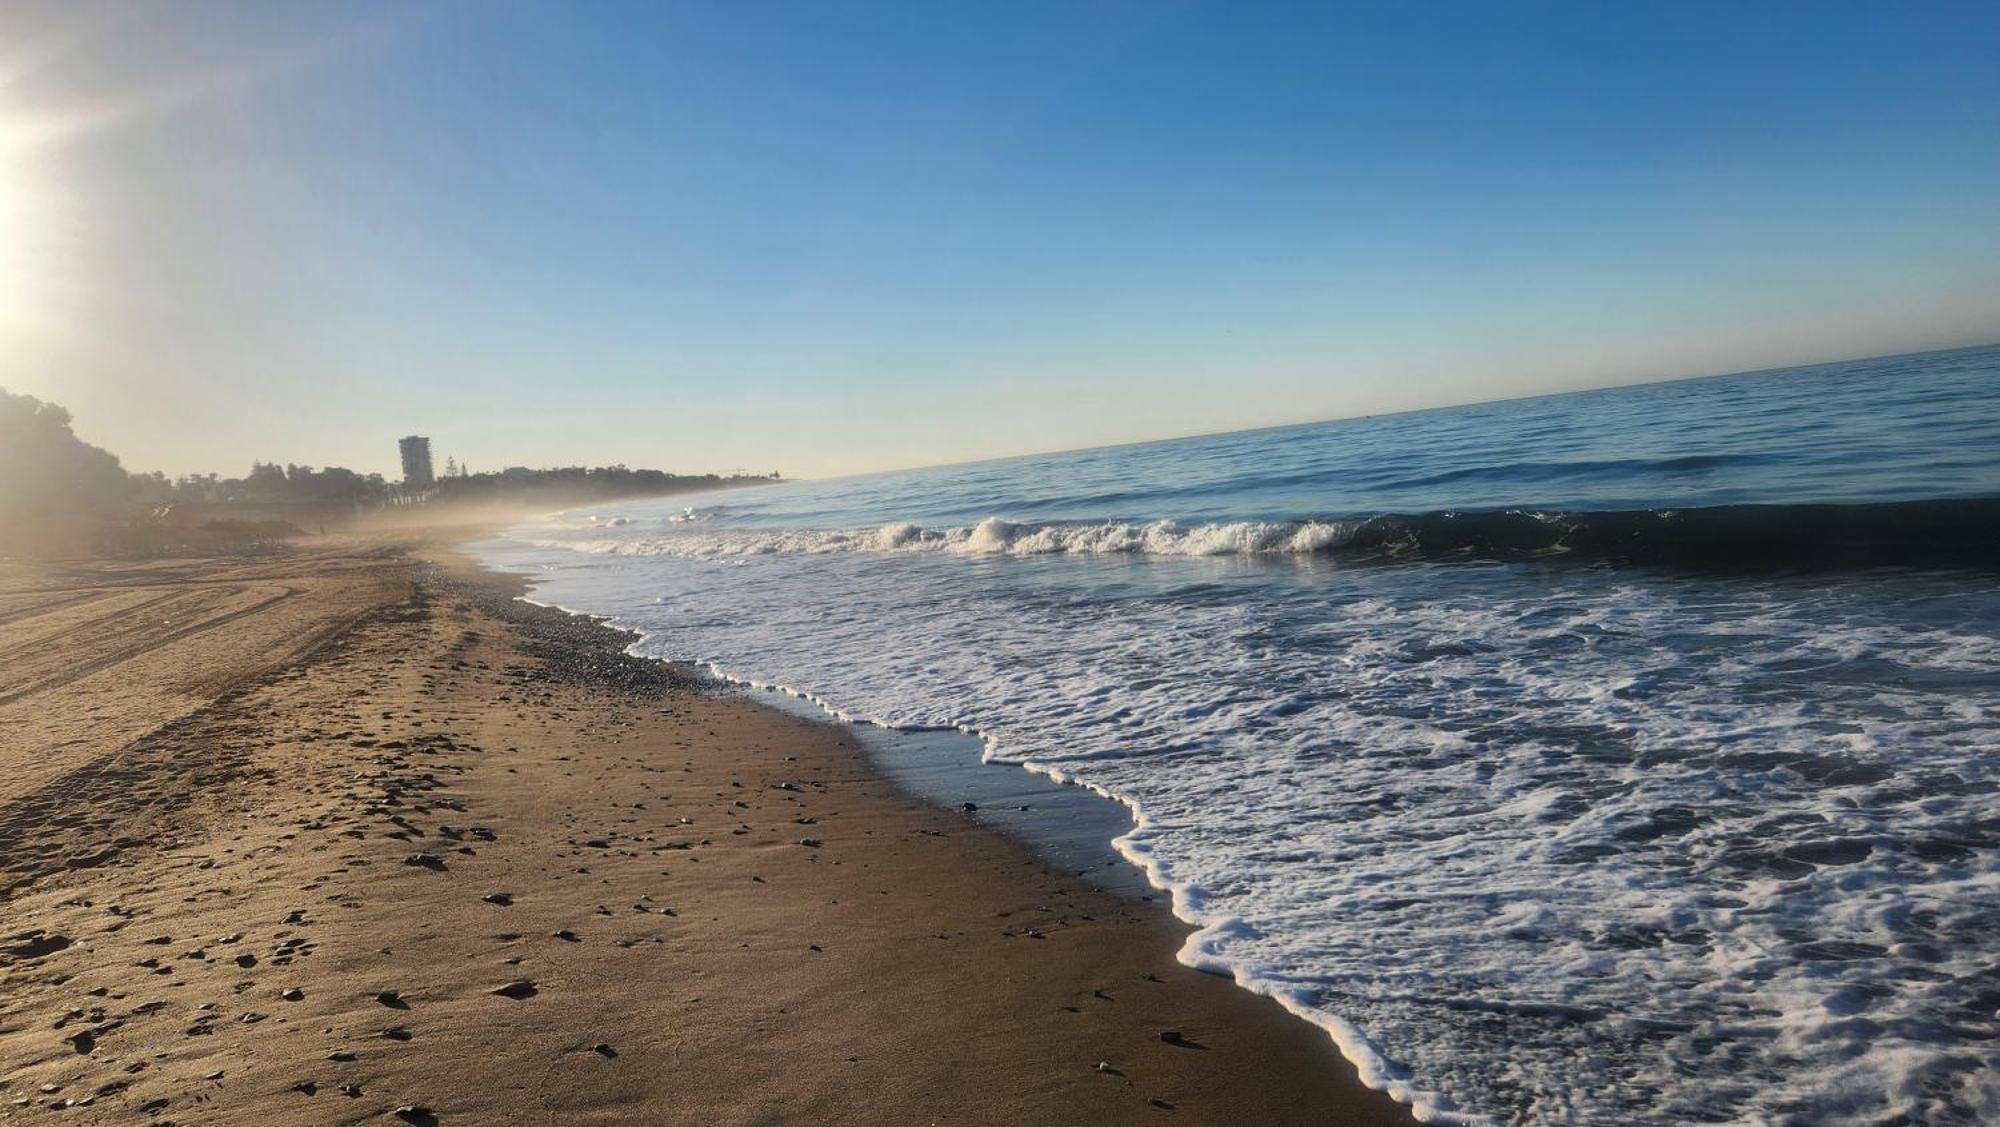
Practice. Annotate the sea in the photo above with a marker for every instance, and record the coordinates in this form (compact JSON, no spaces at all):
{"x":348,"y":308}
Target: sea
{"x":1623,"y":756}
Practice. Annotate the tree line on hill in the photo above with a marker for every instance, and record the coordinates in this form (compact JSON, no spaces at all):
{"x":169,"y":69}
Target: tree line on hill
{"x":60,"y":493}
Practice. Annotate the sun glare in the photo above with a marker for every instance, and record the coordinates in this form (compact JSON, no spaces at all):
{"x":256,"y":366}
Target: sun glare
{"x":28,"y":226}
{"x":13,"y":225}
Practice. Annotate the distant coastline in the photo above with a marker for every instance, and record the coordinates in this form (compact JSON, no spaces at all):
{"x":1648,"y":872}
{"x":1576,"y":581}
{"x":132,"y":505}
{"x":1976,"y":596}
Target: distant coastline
{"x":75,"y":499}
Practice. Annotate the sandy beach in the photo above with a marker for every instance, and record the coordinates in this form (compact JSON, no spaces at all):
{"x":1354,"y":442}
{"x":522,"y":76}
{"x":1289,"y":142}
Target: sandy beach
{"x":348,"y":834}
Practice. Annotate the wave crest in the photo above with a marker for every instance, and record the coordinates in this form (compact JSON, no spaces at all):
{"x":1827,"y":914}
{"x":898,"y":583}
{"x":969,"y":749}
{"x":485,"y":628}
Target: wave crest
{"x":1950,"y":532}
{"x":994,"y":536}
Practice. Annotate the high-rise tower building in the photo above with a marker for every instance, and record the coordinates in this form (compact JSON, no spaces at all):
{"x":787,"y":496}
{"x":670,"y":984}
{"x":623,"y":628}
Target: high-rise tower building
{"x":417,"y":463}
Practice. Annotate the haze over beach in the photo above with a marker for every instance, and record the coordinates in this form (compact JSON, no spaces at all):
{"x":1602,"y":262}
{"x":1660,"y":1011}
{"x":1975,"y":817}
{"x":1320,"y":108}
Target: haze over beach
{"x":784,"y":563}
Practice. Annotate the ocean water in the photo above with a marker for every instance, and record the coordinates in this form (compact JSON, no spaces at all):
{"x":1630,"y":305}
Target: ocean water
{"x":1628,"y":756}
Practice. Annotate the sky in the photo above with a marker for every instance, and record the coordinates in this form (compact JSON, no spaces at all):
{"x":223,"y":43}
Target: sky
{"x":833,"y":237}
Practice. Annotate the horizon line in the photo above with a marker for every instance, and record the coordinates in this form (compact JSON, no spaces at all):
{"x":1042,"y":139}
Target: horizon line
{"x":1648,"y":382}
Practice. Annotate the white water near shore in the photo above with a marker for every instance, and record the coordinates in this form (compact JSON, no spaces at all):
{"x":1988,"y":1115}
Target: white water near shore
{"x":1528,"y":848}
{"x":1616,"y":757}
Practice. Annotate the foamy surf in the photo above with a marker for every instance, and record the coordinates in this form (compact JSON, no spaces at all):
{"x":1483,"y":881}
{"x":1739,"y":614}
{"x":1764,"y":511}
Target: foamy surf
{"x":1473,"y":834}
{"x":1926,"y":533}
{"x":1203,"y":949}
{"x":1613,"y":789}
{"x":994,"y":536}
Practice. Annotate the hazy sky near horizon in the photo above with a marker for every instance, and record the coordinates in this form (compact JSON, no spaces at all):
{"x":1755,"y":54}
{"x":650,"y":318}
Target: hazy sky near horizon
{"x":830,"y":237}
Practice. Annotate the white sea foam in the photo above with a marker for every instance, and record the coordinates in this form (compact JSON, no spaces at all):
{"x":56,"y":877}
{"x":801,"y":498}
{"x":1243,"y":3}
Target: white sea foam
{"x":1572,"y":845}
{"x":993,"y":536}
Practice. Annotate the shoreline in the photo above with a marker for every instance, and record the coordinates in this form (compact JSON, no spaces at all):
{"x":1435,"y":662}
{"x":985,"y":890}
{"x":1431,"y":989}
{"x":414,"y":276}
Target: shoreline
{"x":1133,"y":872}
{"x":1125,"y":868}
{"x":947,"y":777}
{"x":364,"y":794}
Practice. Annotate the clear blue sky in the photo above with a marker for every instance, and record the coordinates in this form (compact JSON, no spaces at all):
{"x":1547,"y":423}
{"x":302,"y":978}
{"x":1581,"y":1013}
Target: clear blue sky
{"x":823,"y":237}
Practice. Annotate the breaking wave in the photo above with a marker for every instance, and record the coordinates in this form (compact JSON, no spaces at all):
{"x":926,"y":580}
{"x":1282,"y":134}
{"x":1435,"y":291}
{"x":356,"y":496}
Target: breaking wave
{"x":1931,"y":533}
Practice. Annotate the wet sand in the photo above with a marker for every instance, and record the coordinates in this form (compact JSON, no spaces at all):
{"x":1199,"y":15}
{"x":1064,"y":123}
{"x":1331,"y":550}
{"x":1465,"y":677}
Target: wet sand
{"x":350,"y":835}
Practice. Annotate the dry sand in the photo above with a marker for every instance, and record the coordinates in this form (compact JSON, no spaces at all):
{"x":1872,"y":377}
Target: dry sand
{"x":350,"y":835}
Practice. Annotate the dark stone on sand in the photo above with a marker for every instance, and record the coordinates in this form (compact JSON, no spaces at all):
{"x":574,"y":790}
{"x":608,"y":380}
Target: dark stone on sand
{"x":34,"y":944}
{"x":519,"y":988}
{"x":567,"y":936}
{"x":604,"y":1050}
{"x":425,"y":860}
{"x":246,"y":960}
{"x":415,"y":1113}
{"x":968,"y":807}
{"x":503,"y":899}
{"x":392,"y":999}
{"x":398,"y":1033}
{"x":341,"y":1055}
{"x":292,"y":995}
{"x":306,"y":1086}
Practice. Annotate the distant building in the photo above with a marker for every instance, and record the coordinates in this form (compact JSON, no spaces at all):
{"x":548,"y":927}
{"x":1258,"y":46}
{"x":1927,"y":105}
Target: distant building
{"x":417,"y":474}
